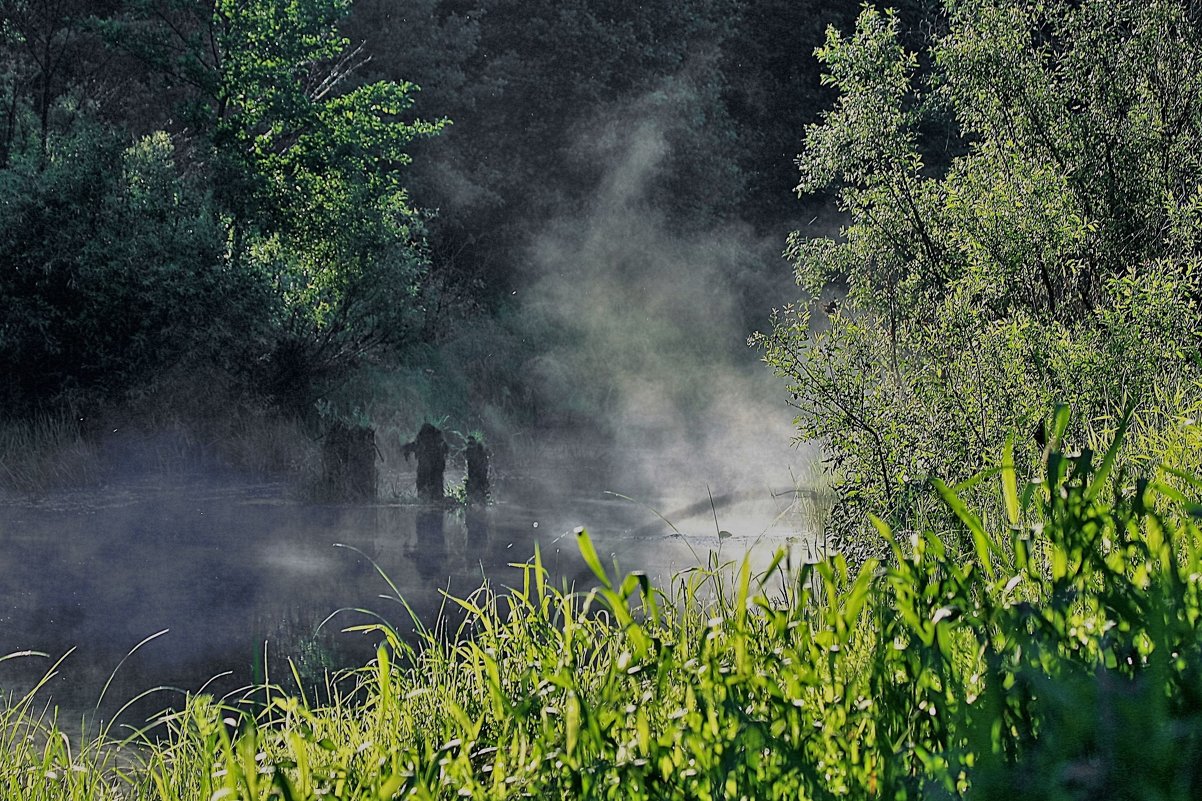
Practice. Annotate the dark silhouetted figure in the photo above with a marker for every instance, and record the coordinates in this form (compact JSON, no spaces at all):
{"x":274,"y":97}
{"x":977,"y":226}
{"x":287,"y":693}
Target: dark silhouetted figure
{"x":430,"y":448}
{"x":348,"y":460}
{"x":1040,"y":432}
{"x":477,"y":471}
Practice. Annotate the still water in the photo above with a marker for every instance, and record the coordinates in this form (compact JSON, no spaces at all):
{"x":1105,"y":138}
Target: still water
{"x":225,"y":565}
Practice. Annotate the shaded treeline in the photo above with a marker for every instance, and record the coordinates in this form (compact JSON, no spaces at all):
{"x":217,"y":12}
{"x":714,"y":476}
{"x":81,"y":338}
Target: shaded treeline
{"x":526,"y":83}
{"x":208,"y":187}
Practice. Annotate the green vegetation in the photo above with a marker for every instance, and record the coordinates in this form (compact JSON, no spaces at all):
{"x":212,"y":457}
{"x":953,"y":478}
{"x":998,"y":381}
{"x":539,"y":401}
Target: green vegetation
{"x":212,"y":204}
{"x":1021,"y":197}
{"x":1050,"y":652}
{"x":43,"y":451}
{"x":204,"y":185}
{"x":176,"y":193}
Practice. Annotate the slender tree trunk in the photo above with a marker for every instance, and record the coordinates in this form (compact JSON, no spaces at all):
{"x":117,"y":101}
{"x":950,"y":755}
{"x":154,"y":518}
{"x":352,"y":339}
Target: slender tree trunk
{"x":1049,"y":286}
{"x":44,"y":121}
{"x":44,"y":102}
{"x":10,"y":128}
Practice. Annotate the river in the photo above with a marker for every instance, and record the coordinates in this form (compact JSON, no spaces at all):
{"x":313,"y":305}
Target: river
{"x":228,"y":565}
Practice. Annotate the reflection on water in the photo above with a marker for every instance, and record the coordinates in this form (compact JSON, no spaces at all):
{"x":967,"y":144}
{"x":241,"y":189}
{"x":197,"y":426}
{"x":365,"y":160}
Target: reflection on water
{"x":429,"y":548}
{"x":226,"y":567}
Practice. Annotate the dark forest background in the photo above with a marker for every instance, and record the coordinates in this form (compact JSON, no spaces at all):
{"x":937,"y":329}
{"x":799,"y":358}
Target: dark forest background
{"x":265,"y":221}
{"x":259,"y":194}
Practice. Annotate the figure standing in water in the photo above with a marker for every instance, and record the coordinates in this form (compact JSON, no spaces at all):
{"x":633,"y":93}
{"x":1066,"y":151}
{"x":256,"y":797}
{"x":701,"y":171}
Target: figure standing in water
{"x":476,"y":456}
{"x":430,"y":448}
{"x":348,"y":461}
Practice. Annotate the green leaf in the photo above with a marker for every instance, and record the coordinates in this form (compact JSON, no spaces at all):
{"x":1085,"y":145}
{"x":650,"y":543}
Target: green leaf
{"x":1188,"y":478}
{"x":985,"y":546}
{"x":1103,"y":473}
{"x":882,"y":528}
{"x":858,"y":594}
{"x":585,"y":544}
{"x":1060,"y":418}
{"x":744,"y":589}
{"x":1010,"y":482}
{"x":540,"y":578}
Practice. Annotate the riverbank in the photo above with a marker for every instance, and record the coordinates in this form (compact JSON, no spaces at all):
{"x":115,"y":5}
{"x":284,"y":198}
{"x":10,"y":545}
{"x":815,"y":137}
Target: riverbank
{"x":1052,"y":652}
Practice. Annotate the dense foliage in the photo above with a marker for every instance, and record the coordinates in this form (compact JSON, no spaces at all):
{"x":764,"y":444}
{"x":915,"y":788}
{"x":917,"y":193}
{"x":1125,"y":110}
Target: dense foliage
{"x":225,"y":184}
{"x":1052,"y":258}
{"x":1059,"y":659}
{"x":287,"y":243}
{"x":113,"y":269}
{"x":198,"y":181}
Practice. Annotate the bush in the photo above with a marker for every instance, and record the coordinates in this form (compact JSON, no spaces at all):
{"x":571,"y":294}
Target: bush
{"x":1038,"y":249}
{"x":113,"y":272}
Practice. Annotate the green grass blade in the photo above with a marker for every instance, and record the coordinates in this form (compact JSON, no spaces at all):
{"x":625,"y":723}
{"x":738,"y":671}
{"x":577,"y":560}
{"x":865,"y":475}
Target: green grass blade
{"x":1188,"y":478}
{"x":585,"y":543}
{"x":113,"y":675}
{"x":1112,"y":453}
{"x":1010,"y":482}
{"x":1060,"y":418}
{"x":985,"y":546}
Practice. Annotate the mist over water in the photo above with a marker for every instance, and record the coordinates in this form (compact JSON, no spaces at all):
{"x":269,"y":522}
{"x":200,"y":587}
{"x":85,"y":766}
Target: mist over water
{"x":655,"y":353}
{"x":229,"y":566}
{"x":651,"y":392}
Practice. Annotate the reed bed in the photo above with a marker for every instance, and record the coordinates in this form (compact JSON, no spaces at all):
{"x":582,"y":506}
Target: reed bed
{"x":1054,"y":652}
{"x":43,"y":451}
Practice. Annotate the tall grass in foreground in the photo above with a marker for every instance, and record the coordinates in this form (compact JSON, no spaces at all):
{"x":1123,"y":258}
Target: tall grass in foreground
{"x":1061,"y":658}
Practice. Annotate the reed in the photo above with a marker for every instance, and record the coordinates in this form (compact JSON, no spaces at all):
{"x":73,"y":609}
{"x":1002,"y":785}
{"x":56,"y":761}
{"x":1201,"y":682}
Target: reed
{"x":1058,"y":655}
{"x":45,"y":451}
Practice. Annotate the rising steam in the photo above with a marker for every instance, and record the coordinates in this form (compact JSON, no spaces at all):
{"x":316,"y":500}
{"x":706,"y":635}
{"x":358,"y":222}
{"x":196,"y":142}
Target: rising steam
{"x":654,"y":343}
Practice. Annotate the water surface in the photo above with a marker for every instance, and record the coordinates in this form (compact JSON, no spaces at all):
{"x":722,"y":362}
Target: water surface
{"x":224,"y":564}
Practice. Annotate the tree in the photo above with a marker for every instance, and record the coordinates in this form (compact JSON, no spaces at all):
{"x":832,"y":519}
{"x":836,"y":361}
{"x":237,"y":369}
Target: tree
{"x":532,"y":87}
{"x":53,"y":69}
{"x":112,"y":266}
{"x":112,"y":271}
{"x":306,"y":170}
{"x":1054,"y":259}
{"x":176,"y":170}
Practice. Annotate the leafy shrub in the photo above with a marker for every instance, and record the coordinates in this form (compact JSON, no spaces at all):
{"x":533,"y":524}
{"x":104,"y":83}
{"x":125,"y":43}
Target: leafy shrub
{"x":113,"y":271}
{"x":1039,"y":249}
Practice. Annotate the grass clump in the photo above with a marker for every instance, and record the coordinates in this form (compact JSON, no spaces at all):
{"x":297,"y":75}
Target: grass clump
{"x":1051,"y":651}
{"x":45,"y":450}
{"x":40,"y":762}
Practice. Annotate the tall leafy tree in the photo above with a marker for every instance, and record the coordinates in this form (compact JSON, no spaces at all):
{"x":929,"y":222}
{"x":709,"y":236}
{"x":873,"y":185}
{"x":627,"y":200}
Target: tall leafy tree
{"x":1055,"y":259}
{"x":200,"y":164}
{"x":111,"y":270}
{"x":110,"y":262}
{"x":52,"y":70}
{"x":306,"y":168}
